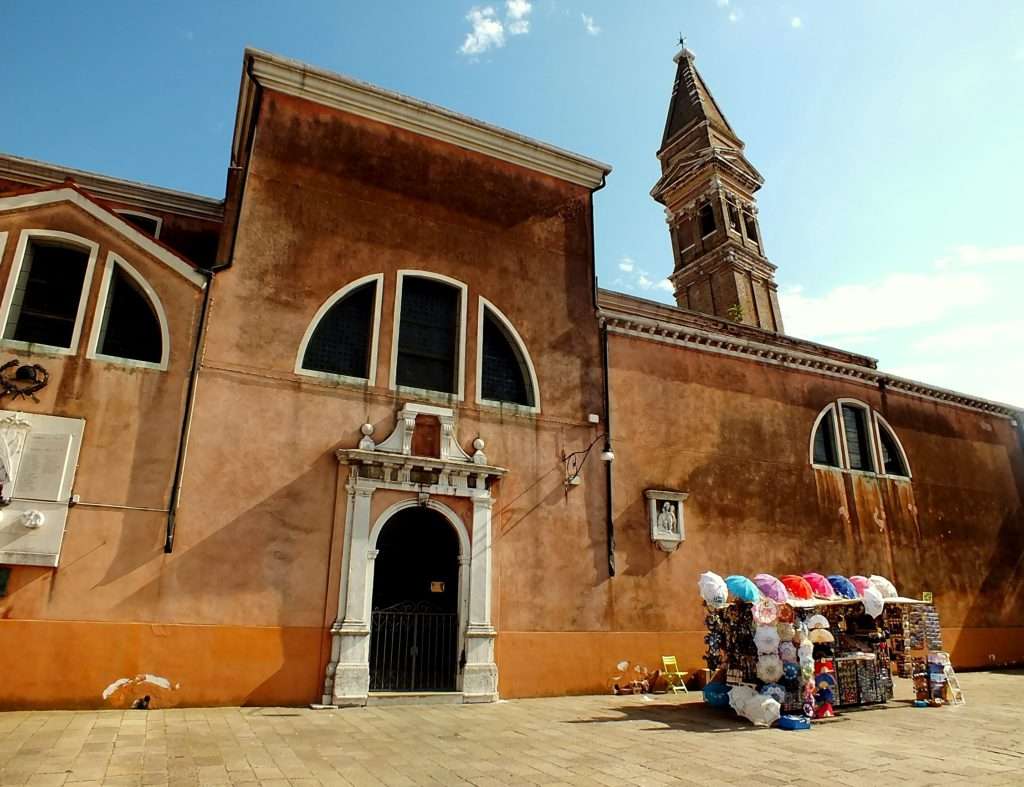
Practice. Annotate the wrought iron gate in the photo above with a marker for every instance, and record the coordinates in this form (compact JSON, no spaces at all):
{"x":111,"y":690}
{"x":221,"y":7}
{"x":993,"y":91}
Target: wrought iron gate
{"x":413,"y":647}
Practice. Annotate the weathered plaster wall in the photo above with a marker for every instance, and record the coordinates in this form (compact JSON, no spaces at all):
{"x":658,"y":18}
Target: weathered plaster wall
{"x":112,"y":555}
{"x":331,"y":198}
{"x":735,"y":434}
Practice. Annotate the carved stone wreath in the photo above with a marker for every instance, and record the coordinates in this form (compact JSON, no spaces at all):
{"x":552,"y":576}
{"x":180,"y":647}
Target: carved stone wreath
{"x":22,"y":380}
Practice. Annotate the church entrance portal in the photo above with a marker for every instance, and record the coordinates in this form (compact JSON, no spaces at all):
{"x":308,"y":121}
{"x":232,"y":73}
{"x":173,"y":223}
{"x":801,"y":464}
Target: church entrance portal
{"x":414,"y":639}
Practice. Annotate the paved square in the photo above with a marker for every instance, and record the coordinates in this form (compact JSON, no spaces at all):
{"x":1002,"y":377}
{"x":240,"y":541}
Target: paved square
{"x":599,"y":740}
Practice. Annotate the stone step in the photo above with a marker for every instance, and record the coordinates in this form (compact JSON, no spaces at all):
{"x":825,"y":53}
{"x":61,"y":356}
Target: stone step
{"x":379,"y":698}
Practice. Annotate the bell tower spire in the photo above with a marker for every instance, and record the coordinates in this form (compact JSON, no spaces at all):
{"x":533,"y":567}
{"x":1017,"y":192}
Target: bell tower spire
{"x":707,"y":187}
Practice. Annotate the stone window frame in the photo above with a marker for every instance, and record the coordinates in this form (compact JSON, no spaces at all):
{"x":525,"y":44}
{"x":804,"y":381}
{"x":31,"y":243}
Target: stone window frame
{"x":336,"y":297}
{"x":113,"y":261}
{"x":21,"y":250}
{"x":874,"y":423}
{"x":459,"y":394}
{"x":483,"y":306}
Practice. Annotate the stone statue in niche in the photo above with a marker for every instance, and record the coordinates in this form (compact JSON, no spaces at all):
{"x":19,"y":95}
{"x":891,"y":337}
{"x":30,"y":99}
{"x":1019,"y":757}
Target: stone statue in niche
{"x":667,"y":518}
{"x":665,"y":511}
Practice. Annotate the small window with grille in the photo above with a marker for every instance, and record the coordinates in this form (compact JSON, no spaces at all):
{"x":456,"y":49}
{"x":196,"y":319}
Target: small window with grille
{"x":505,"y":376}
{"x":428,"y":334}
{"x":340,"y":342}
{"x":47,"y":295}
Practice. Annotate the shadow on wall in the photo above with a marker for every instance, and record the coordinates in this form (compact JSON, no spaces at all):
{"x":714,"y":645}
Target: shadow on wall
{"x":549,"y":490}
{"x":270,"y":566}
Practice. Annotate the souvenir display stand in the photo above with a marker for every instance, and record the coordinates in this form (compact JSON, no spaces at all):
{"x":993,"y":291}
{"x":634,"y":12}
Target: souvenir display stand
{"x":810,"y":646}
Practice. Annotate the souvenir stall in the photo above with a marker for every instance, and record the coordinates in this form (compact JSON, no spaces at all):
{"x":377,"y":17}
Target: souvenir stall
{"x":794,"y":648}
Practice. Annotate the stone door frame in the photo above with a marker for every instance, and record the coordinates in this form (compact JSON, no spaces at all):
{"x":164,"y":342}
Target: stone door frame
{"x":390,"y":466}
{"x":455,"y":521}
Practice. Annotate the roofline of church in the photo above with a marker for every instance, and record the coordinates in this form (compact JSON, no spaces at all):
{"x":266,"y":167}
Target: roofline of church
{"x":127,"y":192}
{"x":330,"y":89}
{"x":629,"y":315}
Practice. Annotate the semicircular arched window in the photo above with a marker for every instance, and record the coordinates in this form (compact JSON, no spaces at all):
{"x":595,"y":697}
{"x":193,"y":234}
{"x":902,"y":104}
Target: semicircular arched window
{"x":506,"y":372}
{"x":849,"y":435}
{"x":341,"y":340}
{"x":131,"y":324}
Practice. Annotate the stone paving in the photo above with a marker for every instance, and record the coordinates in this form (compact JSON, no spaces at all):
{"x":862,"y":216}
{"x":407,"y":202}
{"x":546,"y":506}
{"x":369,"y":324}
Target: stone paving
{"x":599,"y":740}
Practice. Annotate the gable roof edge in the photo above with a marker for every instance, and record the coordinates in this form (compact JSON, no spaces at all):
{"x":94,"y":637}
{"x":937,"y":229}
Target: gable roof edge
{"x":294,"y":78}
{"x":70,"y":194}
{"x":128,"y":192}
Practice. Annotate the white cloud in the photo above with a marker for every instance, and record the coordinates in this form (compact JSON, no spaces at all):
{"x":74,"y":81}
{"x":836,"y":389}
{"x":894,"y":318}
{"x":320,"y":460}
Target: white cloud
{"x":488,"y":32}
{"x":636,"y":278}
{"x":967,"y":337}
{"x":900,"y":300}
{"x":968,"y":256}
{"x":721,"y":3}
{"x":795,"y":22}
{"x":1019,"y":53}
{"x":516,"y":13}
{"x":590,"y":26}
{"x":957,"y":324}
{"x":735,"y":15}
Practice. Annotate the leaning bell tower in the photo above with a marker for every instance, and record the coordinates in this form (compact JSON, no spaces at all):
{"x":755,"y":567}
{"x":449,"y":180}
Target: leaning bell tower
{"x":707,"y":187}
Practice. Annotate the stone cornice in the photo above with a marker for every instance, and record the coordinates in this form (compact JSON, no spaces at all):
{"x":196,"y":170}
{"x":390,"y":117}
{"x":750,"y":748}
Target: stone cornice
{"x":360,"y":98}
{"x":629,"y":316}
{"x":730,"y":254}
{"x":729,"y":162}
{"x":123,"y":192}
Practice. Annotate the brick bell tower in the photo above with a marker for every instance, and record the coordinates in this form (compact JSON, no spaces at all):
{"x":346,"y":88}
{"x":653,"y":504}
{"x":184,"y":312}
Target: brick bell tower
{"x":707,"y":187}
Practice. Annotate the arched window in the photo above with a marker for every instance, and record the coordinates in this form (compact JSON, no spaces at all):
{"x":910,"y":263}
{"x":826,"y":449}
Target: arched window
{"x":848,"y":435}
{"x":891,"y":455}
{"x":341,"y":341}
{"x":826,"y":445}
{"x":431,"y":315}
{"x":505,"y":373}
{"x":44,"y":302}
{"x":130,"y":323}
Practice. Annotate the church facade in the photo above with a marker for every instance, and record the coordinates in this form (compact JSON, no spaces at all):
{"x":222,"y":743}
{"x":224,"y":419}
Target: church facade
{"x":367,"y":426}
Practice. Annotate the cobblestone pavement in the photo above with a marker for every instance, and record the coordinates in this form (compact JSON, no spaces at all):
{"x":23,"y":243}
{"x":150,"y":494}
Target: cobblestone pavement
{"x":570,"y":740}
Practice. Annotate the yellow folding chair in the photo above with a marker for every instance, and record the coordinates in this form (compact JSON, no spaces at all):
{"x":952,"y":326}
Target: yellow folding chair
{"x":675,"y":679}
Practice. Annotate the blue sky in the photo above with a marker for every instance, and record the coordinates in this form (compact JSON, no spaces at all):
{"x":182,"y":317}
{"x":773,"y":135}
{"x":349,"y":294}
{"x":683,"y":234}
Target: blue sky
{"x":889,"y":134}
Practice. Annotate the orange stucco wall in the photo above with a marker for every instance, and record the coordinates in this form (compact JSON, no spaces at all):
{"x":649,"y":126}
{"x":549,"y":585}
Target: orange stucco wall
{"x":239,"y":612}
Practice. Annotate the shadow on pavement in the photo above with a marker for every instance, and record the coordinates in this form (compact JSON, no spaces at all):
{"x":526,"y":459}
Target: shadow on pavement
{"x":701,"y":718}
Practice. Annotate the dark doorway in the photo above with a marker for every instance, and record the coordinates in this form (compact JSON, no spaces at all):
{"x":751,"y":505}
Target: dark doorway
{"x":415,"y":625}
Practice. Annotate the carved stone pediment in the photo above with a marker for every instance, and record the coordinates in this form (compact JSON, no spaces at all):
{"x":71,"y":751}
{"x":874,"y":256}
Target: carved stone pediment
{"x":392,"y":463}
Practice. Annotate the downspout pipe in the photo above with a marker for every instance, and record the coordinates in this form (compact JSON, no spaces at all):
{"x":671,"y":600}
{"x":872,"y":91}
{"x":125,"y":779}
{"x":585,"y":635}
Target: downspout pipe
{"x":238,"y":169}
{"x":186,"y":422}
{"x":609,"y":521}
{"x":609,"y":524}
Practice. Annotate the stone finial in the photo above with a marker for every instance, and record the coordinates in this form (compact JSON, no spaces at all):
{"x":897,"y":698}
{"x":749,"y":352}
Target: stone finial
{"x":479,"y":457}
{"x":366,"y":442}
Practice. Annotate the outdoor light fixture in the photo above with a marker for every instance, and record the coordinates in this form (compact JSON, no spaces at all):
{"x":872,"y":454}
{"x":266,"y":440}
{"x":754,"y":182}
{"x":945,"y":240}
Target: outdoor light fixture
{"x":574,"y":462}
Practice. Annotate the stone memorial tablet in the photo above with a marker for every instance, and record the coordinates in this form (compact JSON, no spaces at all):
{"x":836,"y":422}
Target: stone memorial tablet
{"x":43,"y":467}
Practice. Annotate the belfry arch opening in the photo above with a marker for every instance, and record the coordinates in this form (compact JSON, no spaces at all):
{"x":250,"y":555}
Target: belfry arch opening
{"x":415,"y":626}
